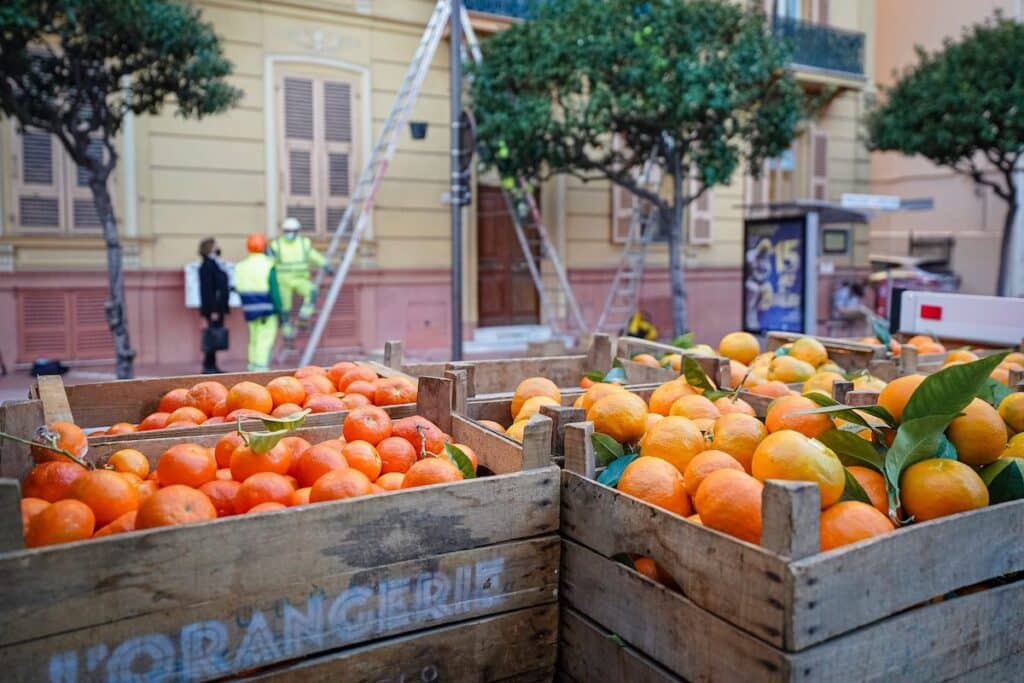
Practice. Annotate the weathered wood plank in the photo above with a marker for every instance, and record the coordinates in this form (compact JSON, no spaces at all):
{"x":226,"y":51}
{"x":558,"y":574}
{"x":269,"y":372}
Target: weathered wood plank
{"x":587,"y":652}
{"x":850,"y":355}
{"x":434,"y":397}
{"x":840,"y":388}
{"x":334,"y":537}
{"x":394,"y":354}
{"x":496,"y":452}
{"x":823,"y":584}
{"x":579,"y":449}
{"x":862,"y":397}
{"x":50,"y":389}
{"x":537,"y":442}
{"x":664,"y":625}
{"x":487,"y":649}
{"x":10,"y":516}
{"x":21,"y":419}
{"x":638,"y":373}
{"x":790,"y":512}
{"x":504,"y":375}
{"x":740,"y":582}
{"x":601,"y":352}
{"x":243,"y":630}
{"x":885,"y":370}
{"x":560,"y":417}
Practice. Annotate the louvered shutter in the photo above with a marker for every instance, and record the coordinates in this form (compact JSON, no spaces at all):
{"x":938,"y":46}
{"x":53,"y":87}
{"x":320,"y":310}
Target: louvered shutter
{"x":623,"y":204}
{"x":92,"y":337}
{"x":38,"y":181}
{"x":43,"y":325}
{"x":699,"y":223}
{"x":299,"y":147}
{"x":82,"y":213}
{"x":337,"y":150}
{"x":756,"y":190}
{"x":819,"y":165}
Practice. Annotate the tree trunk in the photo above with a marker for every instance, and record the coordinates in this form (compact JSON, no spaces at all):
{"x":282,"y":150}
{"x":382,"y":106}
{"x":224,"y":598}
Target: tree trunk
{"x":1003,"y":285}
{"x":672,"y":224}
{"x":124,"y":354}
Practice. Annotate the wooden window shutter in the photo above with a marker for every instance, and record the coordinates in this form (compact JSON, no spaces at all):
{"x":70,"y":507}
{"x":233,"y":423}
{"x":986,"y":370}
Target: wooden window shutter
{"x":38,"y":181}
{"x":757,"y":190}
{"x":623,"y":204}
{"x":337,"y":150}
{"x":92,"y":337}
{"x":43,"y":317}
{"x":80,"y":205}
{"x":700,"y":217}
{"x":819,"y":165}
{"x":298,"y":191}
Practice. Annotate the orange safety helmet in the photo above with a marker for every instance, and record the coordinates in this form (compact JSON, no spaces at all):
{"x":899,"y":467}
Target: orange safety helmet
{"x":256,"y":244}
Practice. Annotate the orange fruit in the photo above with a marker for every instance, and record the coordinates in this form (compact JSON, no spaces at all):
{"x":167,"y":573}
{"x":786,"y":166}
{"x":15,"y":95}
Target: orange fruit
{"x":492,"y":425}
{"x":301,"y":496}
{"x":187,"y":464}
{"x":423,"y":434}
{"x":737,"y":371}
{"x":652,"y":418}
{"x":822,"y":381}
{"x":146,"y":489}
{"x":622,"y":415}
{"x":336,"y":444}
{"x":317,"y":384}
{"x":646,"y":359}
{"x":673,"y":361}
{"x":726,"y":405}
{"x":730,"y":501}
{"x":534,"y":386}
{"x":30,"y":507}
{"x":919,"y":339}
{"x":788,"y":369}
{"x":324,"y":403}
{"x":353,"y":401}
{"x":246,"y":462}
{"x":1011,"y":409}
{"x":362,"y":456}
{"x":960,"y":355}
{"x":222,"y":494}
{"x":675,"y":440}
{"x":69,"y":437}
{"x":739,"y":346}
{"x":938,"y":487}
{"x":694,"y":407}
{"x":370,"y":424}
{"x":186,"y":414}
{"x":668,"y":393}
{"x":429,"y":471}
{"x":129,"y":460}
{"x":896,"y":393}
{"x":649,"y":568}
{"x":339,"y":484}
{"x":122,"y":524}
{"x":931,"y":348}
{"x":175,"y":504}
{"x":391,"y":481}
{"x":393,"y":391}
{"x":62,"y":522}
{"x":772,"y":388}
{"x":364,"y":387}
{"x":286,"y":390}
{"x":286,"y":410}
{"x":263,"y":487}
{"x":396,"y":455}
{"x":52,"y":480}
{"x":355,"y":374}
{"x":309,"y":371}
{"x":269,"y":506}
{"x":249,"y":395}
{"x":873,"y":484}
{"x":469,"y":453}
{"x":338,"y":369}
{"x":596,"y":392}
{"x":122,"y":428}
{"x":174,"y":399}
{"x":154,"y":421}
{"x":979,"y":434}
{"x":810,"y":351}
{"x":704,"y":464}
{"x":295,"y":445}
{"x":317,"y":461}
{"x":790,"y":455}
{"x":206,"y":396}
{"x":108,"y":495}
{"x":738,"y":435}
{"x":782,"y":415}
{"x":657,"y":482}
{"x":226,"y":445}
{"x":851,"y":521}
{"x":695,"y":518}
{"x":532,"y":407}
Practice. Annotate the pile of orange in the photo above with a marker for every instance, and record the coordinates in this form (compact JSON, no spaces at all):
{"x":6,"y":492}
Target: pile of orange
{"x":63,"y":501}
{"x":343,"y":386}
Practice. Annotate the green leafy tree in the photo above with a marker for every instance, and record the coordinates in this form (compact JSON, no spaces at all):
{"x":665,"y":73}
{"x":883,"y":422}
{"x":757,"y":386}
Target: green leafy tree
{"x":699,"y":86}
{"x":962,"y":107}
{"x":75,"y":68}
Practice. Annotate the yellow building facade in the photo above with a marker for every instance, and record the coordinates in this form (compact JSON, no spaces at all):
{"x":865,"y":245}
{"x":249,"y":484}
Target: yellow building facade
{"x":319,"y":78}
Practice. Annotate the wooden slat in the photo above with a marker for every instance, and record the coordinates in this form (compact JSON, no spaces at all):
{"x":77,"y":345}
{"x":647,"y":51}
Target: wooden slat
{"x":884,"y":370}
{"x":638,"y":373}
{"x":790,"y":513}
{"x":496,"y":452}
{"x":241,"y":630}
{"x":758,"y":402}
{"x":504,"y":375}
{"x":22,"y":419}
{"x":394,"y":354}
{"x":154,"y":572}
{"x":823,"y":584}
{"x":601,"y":352}
{"x":738,"y":581}
{"x":537,"y":442}
{"x":10,"y":516}
{"x":560,"y":417}
{"x":850,"y":355}
{"x":434,"y":397}
{"x":579,"y":449}
{"x":587,"y":652}
{"x":501,"y":647}
{"x":667,"y":627}
{"x":50,"y":389}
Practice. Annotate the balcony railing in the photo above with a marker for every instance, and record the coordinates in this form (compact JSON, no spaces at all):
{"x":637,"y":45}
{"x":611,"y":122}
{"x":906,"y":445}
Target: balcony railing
{"x":822,"y":47}
{"x":520,"y":9}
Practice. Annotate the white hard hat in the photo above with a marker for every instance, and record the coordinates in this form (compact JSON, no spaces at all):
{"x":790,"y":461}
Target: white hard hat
{"x":291,"y":225}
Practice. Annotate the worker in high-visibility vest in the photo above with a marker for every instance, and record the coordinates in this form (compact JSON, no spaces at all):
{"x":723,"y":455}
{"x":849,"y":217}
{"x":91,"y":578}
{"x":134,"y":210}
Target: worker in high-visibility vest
{"x":257,"y":287}
{"x":293,"y":256}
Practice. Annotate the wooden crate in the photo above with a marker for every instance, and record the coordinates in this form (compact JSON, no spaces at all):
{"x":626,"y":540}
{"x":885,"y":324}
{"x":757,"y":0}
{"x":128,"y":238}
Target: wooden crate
{"x":782,"y":611}
{"x":457,"y":581}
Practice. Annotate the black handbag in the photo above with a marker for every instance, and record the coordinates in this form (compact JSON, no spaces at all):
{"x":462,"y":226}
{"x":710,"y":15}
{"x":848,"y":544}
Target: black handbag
{"x":215,"y":339}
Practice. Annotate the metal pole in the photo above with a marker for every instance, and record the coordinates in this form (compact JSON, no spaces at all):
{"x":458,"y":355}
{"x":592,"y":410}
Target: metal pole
{"x":455,"y":36}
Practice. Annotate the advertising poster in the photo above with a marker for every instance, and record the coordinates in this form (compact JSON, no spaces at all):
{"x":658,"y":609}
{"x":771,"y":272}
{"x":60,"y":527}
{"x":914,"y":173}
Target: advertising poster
{"x":773,"y":274}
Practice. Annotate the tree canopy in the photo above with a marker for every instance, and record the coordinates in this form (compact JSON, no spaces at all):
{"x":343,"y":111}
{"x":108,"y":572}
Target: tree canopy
{"x":595,"y":88}
{"x":962,"y":107}
{"x":75,"y":68}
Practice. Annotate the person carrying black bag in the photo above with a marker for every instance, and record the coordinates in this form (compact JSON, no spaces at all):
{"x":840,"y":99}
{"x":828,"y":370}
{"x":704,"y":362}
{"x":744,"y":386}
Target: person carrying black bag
{"x":213,"y":296}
